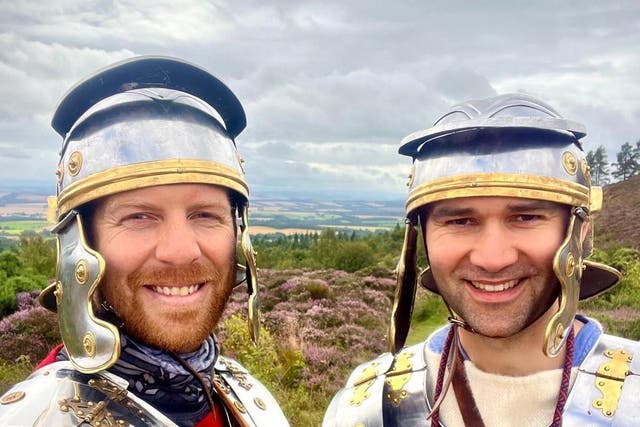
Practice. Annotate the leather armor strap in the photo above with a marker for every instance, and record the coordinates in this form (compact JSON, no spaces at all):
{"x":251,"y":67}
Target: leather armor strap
{"x":466,"y":403}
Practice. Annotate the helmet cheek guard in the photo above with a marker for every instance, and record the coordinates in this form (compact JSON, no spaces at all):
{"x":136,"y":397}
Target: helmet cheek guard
{"x":142,"y":122}
{"x":405,"y":288}
{"x":567,"y":266}
{"x":95,"y":344}
{"x":507,"y":146}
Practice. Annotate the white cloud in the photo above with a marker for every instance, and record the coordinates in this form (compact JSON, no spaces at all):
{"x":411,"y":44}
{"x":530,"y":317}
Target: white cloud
{"x":330,"y":87}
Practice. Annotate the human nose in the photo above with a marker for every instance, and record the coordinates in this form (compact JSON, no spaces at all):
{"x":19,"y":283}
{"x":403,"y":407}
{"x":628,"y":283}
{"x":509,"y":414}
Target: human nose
{"x":177,"y":244}
{"x":494,"y":250}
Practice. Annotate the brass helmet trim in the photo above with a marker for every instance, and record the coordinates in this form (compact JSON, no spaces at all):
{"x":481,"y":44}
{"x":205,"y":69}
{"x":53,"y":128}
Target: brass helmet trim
{"x":499,"y":184}
{"x":92,"y":343}
{"x":146,"y":174}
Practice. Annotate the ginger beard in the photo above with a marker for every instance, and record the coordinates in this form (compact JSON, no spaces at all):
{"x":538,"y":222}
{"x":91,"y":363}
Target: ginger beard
{"x":180,"y":328}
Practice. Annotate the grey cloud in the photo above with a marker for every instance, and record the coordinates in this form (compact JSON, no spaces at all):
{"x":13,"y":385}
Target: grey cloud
{"x":330,"y":88}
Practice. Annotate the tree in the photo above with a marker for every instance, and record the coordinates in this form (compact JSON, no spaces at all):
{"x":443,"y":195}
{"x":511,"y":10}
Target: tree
{"x":38,"y":253}
{"x":10,"y":263}
{"x":628,"y":163}
{"x":325,"y":250}
{"x":352,"y":256}
{"x":599,"y":165}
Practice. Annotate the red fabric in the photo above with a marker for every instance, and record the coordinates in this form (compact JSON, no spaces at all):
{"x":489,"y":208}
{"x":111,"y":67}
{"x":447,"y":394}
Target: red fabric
{"x":51,"y":357}
{"x":208,"y":421}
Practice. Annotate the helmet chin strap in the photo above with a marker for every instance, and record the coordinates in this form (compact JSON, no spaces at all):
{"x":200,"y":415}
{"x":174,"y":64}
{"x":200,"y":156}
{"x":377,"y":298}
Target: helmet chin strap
{"x":457,"y":320}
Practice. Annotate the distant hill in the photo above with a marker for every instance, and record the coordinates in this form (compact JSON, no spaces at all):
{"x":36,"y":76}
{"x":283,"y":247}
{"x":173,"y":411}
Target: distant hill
{"x":619,"y":220}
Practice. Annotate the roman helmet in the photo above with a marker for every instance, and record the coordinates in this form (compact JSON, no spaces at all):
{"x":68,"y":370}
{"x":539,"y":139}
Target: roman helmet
{"x":141,"y":122}
{"x":511,"y":145}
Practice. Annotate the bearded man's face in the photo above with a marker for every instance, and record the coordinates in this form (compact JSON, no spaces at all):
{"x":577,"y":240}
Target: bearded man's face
{"x":170,"y":261}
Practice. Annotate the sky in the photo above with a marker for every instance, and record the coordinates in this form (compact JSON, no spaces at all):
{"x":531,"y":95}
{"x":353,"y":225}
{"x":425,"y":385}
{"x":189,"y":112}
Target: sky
{"x":330,"y":87}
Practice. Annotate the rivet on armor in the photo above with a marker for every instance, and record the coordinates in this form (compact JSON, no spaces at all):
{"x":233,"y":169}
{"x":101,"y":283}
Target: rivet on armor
{"x":260,"y":403}
{"x":611,"y":376}
{"x":58,"y":292}
{"x":82,"y":271}
{"x":570,"y":162}
{"x":60,"y":173}
{"x":239,"y":406}
{"x":570,"y":266}
{"x":75,"y":163}
{"x":89,"y":344}
{"x":412,"y":175}
{"x":363,"y":383}
{"x":586,"y":170}
{"x":559,"y":335}
{"x":240,"y":161}
{"x":12,"y":397}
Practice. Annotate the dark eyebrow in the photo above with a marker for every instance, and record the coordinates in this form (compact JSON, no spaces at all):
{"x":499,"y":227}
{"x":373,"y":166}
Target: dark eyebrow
{"x":440,"y":211}
{"x":533,"y":205}
{"x":447,"y":211}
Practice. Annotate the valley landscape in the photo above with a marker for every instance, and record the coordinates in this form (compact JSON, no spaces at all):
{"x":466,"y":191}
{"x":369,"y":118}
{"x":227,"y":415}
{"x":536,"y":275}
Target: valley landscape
{"x":26,"y":211}
{"x":326,"y":282}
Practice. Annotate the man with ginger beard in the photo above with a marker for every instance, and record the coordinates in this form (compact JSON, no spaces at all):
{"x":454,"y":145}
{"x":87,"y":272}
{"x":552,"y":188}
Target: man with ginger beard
{"x":150,"y":198}
{"x":501,"y":201}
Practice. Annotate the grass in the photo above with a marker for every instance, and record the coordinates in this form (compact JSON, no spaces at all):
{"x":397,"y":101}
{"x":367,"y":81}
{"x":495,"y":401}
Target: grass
{"x":421,"y":329}
{"x":429,"y":313}
{"x":18,"y":227}
{"x":12,"y":373}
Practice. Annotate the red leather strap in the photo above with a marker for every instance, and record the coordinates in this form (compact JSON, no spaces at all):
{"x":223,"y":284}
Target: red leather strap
{"x":466,"y":403}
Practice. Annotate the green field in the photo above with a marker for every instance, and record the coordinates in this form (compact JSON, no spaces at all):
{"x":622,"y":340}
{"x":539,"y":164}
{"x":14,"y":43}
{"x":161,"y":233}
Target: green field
{"x":14,"y":228}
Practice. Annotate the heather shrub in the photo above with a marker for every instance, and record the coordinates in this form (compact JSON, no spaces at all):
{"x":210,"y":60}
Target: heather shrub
{"x":11,"y":285}
{"x":31,"y":331}
{"x":26,"y":337}
{"x":14,"y":346}
{"x":329,"y":320}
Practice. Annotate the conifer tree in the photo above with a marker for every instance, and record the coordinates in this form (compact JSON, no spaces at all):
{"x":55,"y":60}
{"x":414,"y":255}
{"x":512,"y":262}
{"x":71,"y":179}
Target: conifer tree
{"x":628,"y":162}
{"x":599,"y":165}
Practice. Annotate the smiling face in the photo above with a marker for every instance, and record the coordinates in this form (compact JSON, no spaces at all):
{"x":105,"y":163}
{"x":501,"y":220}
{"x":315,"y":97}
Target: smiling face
{"x":170,"y":261}
{"x":492,"y":257}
